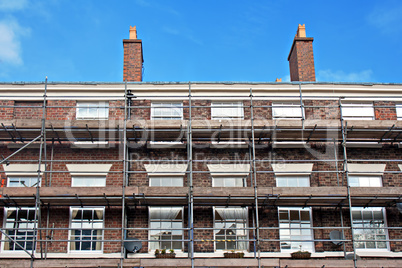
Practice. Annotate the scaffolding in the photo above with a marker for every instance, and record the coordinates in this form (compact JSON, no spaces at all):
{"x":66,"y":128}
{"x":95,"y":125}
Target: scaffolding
{"x":250,"y":135}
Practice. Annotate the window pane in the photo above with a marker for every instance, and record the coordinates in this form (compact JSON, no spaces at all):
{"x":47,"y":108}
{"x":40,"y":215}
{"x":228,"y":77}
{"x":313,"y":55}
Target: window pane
{"x":362,"y":111}
{"x":369,"y":218}
{"x":365,"y":181}
{"x":22,"y":222}
{"x":166,"y":110}
{"x":286,"y":110}
{"x":166,"y":181}
{"x":294,"y":215}
{"x":230,"y":227}
{"x":92,"y":110}
{"x":89,"y":181}
{"x":22,"y":181}
{"x":89,"y":221}
{"x":165,"y":219}
{"x":293,"y":181}
{"x":297,"y":228}
{"x":227,"y":110}
{"x":228,"y":182}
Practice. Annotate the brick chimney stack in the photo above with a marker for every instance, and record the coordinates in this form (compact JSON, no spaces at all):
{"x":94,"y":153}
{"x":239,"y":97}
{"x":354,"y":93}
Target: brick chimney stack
{"x":133,"y":58}
{"x":301,"y":57}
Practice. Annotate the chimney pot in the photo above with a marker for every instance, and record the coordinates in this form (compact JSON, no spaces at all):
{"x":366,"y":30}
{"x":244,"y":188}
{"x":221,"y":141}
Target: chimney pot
{"x":133,"y":32}
{"x":278,"y":80}
{"x":301,"y":31}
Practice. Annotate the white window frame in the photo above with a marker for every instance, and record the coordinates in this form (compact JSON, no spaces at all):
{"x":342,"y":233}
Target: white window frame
{"x":237,"y":230}
{"x":365,"y":180}
{"x":229,"y":181}
{"x":19,"y":229}
{"x":31,"y":179}
{"x":73,"y":229}
{"x":287,"y":110}
{"x":101,"y":112}
{"x":170,"y":110}
{"x":299,"y":180}
{"x":398,"y":108}
{"x":92,"y":181}
{"x":358,"y":110}
{"x":227,"y":110}
{"x":165,"y":181}
{"x":163,"y":231}
{"x":296,"y":229}
{"x":366,"y":233}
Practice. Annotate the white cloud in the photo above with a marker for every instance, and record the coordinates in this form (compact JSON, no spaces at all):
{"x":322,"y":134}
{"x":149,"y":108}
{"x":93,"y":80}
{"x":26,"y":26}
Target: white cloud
{"x":177,"y":32}
{"x":341,"y":76}
{"x":10,"y":5}
{"x":387,"y":18}
{"x":10,"y":34}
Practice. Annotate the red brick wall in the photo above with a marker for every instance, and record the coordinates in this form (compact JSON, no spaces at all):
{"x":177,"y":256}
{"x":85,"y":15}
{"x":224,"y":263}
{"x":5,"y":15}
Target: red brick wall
{"x":132,"y":67}
{"x":301,"y":60}
{"x":6,"y":113}
{"x":141,"y":113}
{"x":116,"y":110}
{"x":314,"y":109}
{"x":138,"y":218}
{"x":61,"y":110}
{"x":34,"y":111}
{"x":385,"y":113}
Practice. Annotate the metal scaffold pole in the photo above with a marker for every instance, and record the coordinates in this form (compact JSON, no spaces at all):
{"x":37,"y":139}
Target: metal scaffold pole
{"x":37,"y":217}
{"x":257,"y":228}
{"x":190,"y":180}
{"x":344,"y":127}
{"x":340,"y":206}
{"x":125,"y":163}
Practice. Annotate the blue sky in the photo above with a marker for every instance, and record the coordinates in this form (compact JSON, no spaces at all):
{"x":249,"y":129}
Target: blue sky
{"x":208,"y":40}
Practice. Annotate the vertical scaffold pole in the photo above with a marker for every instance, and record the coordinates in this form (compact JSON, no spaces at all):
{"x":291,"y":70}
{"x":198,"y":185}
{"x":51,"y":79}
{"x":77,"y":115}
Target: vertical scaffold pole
{"x":123,"y":194}
{"x":257,"y":225}
{"x":340,"y":207}
{"x":190,"y":179}
{"x":344,"y":127}
{"x":37,"y":197}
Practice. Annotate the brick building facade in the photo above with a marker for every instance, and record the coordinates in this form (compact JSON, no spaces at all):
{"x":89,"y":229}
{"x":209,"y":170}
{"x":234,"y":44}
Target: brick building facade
{"x":203,"y":169}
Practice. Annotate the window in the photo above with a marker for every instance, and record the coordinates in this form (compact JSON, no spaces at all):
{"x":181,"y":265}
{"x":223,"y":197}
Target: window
{"x":365,"y":181}
{"x":92,"y":110}
{"x":227,"y":110}
{"x":166,"y":181}
{"x":369,"y":228}
{"x":286,"y":110}
{"x":86,"y":233}
{"x":19,"y":224}
{"x":357,"y":111}
{"x":294,"y":224}
{"x":293,"y":181}
{"x":230,"y":228}
{"x":22,"y":181}
{"x":399,"y":111}
{"x":166,"y":111}
{"x":229,"y":181}
{"x":88,"y":181}
{"x":229,"y":175}
{"x":165,"y":224}
{"x":88,"y":175}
